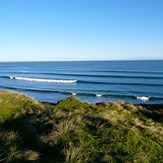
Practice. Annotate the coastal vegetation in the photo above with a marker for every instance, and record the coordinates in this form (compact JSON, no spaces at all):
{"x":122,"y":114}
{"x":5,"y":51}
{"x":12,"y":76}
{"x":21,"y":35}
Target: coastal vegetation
{"x":72,"y":131}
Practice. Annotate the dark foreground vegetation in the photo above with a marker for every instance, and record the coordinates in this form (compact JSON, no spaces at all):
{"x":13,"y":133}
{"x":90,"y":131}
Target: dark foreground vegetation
{"x":76,"y":132}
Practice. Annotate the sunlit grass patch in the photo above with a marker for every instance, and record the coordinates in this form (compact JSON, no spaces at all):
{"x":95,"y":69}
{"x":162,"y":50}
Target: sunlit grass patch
{"x":10,"y":103}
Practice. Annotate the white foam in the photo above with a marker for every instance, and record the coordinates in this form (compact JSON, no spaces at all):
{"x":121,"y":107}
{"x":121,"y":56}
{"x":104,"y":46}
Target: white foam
{"x":74,"y":94}
{"x":43,"y":80}
{"x":143,"y":98}
{"x":98,"y":95}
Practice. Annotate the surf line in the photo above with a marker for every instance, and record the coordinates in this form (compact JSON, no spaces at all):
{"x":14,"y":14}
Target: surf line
{"x":42,"y":80}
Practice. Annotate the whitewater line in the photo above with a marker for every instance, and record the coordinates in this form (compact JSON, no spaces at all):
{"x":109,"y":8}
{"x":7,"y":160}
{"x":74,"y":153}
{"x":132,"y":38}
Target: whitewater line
{"x":143,"y":98}
{"x":42,"y":80}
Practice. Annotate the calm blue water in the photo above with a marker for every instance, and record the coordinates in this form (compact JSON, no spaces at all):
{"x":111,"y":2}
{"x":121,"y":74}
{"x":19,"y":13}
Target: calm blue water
{"x":111,"y":80}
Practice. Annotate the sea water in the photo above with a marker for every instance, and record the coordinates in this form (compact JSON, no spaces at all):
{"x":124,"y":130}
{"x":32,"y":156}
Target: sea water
{"x":90,"y":81}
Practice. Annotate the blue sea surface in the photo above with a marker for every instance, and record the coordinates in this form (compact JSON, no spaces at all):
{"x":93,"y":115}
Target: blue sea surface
{"x":90,"y":81}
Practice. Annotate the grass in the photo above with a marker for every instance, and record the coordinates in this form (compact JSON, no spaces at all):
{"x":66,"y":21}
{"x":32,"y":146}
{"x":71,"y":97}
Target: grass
{"x":10,"y":103}
{"x":74,"y":131}
{"x":73,"y":153}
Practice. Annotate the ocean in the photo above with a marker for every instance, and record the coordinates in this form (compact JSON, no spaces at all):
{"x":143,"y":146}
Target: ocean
{"x":90,"y":81}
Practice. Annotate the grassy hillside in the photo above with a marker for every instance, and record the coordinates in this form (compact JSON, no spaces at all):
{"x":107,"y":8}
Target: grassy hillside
{"x":11,"y":103}
{"x":74,"y":132}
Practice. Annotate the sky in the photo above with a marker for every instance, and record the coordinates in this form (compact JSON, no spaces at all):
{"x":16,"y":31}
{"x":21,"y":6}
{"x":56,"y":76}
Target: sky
{"x":56,"y":30}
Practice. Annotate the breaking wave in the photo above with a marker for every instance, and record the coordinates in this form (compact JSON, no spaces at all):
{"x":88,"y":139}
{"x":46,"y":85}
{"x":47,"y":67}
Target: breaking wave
{"x":42,"y":80}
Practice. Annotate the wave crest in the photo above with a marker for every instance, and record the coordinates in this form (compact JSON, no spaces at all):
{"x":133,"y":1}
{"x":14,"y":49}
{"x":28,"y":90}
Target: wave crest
{"x":42,"y":80}
{"x":143,"y":98}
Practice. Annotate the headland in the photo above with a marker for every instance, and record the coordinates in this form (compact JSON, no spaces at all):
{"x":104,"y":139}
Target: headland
{"x":74,"y":131}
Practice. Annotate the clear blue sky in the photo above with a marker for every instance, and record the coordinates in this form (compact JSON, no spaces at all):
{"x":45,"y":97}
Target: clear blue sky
{"x":80,"y":30}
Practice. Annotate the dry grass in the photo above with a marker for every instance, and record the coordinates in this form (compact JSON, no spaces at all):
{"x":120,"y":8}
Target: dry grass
{"x":61,"y":130}
{"x":7,"y":96}
{"x":151,"y":127}
{"x":73,"y":154}
{"x":113,"y":115}
{"x":31,"y":155}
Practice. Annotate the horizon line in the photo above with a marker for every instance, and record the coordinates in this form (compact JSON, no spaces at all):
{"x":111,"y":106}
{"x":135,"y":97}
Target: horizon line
{"x":89,"y":60}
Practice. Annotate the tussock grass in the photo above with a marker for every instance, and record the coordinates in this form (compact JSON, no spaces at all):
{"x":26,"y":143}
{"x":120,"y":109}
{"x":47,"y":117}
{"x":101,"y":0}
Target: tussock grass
{"x":10,"y":148}
{"x":62,"y":130}
{"x":73,"y":131}
{"x":73,"y":153}
{"x":11,"y":102}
